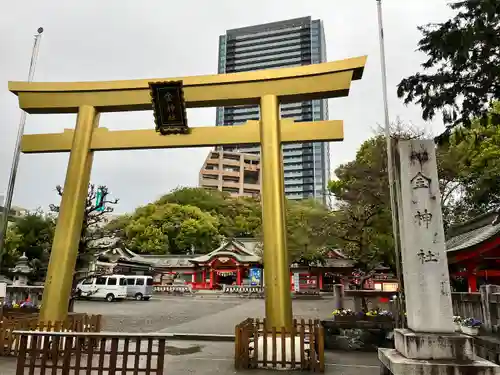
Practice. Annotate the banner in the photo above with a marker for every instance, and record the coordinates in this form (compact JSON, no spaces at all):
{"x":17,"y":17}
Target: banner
{"x":255,"y":276}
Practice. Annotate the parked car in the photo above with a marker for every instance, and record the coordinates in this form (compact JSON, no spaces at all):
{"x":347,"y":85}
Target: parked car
{"x":110,"y":288}
{"x":139,"y":287}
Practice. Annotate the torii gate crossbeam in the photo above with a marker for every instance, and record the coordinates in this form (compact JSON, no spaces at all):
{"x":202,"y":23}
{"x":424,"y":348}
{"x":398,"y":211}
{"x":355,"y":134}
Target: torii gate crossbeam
{"x":268,"y":88}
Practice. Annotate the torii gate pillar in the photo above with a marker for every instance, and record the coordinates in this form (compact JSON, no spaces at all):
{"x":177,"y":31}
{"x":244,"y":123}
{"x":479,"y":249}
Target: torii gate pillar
{"x":269,"y":88}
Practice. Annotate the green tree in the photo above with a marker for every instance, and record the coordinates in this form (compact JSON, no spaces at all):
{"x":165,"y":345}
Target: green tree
{"x":309,"y":229}
{"x":169,"y":228}
{"x":463,"y":66}
{"x":95,"y":236}
{"x":237,"y":217}
{"x":31,"y":234}
{"x":363,"y":217}
{"x":473,"y":155}
{"x":309,"y":226}
{"x":468,"y":169}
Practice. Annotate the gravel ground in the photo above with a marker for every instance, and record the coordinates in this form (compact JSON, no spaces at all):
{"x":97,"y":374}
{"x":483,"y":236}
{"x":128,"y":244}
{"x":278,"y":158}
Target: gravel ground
{"x":154,"y":315}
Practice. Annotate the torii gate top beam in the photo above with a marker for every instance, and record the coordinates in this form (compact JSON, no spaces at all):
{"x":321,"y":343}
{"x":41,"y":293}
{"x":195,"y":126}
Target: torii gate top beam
{"x":316,"y":81}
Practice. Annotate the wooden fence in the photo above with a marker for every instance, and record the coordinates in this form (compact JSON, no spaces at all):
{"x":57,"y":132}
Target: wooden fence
{"x":77,"y":353}
{"x":467,"y":305}
{"x":483,"y":305}
{"x":9,"y":342}
{"x":302,"y":347}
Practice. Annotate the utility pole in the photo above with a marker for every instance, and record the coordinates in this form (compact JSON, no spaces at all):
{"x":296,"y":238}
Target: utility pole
{"x":17,"y":152}
{"x":390,"y":168}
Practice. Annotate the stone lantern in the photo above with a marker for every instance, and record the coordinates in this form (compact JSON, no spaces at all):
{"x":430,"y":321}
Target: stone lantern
{"x":21,"y":271}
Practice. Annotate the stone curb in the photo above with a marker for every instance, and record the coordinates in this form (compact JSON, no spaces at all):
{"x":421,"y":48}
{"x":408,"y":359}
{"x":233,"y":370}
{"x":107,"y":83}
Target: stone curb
{"x":200,"y":337}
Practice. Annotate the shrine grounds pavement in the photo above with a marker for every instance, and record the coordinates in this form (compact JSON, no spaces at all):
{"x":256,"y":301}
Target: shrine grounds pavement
{"x":207,"y":316}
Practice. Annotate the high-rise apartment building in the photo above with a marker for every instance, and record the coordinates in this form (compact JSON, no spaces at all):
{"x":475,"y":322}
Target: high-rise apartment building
{"x":281,"y":44}
{"x":232,"y":172}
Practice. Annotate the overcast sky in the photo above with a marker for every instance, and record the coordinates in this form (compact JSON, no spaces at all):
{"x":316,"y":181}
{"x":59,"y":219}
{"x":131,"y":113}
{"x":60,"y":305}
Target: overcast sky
{"x":125,"y":39}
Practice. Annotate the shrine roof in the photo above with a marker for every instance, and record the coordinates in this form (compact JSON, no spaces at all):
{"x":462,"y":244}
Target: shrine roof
{"x":125,"y":255}
{"x":473,"y":232}
{"x":174,"y":261}
{"x":235,"y":248}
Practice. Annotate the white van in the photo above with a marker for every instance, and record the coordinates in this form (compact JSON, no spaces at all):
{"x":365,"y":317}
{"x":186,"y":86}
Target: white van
{"x":139,"y":287}
{"x":110,"y":288}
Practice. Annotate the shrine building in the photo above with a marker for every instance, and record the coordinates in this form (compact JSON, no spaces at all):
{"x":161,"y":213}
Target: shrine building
{"x":234,"y":262}
{"x":473,"y":250}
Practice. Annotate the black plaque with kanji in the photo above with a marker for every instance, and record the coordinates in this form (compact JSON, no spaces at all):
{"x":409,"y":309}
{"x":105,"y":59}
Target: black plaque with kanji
{"x":169,"y":107}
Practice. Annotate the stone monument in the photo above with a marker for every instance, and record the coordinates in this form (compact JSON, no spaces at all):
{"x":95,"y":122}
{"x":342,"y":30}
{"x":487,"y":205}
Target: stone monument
{"x":429,"y":345}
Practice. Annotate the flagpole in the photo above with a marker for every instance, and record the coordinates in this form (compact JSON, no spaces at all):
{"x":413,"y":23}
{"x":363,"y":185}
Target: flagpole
{"x":17,"y":152}
{"x":390,"y":165}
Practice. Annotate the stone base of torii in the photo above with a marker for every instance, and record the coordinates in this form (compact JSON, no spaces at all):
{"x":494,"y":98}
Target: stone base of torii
{"x":431,"y":345}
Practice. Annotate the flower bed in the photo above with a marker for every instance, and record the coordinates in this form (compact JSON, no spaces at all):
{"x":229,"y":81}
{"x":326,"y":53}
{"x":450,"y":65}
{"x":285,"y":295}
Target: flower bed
{"x":470,"y":326}
{"x":15,"y":310}
{"x":347,"y":315}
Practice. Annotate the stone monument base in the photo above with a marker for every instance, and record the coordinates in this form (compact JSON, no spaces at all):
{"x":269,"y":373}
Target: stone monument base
{"x":433,"y":346}
{"x":393,"y":362}
{"x":433,"y":353}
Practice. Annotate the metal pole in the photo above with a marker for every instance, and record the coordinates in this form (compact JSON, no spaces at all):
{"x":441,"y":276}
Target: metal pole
{"x":17,"y":151}
{"x":390,"y":164}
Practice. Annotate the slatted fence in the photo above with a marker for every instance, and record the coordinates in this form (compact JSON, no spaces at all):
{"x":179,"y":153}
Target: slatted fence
{"x":9,"y":342}
{"x":78,"y":353}
{"x":301,"y":347}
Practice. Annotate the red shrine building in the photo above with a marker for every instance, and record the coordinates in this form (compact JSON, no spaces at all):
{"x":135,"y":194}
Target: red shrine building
{"x":235,"y":262}
{"x":473,"y":250}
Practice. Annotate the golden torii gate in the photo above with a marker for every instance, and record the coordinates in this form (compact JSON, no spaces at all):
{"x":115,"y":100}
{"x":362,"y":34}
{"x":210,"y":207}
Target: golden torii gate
{"x":268,"y":88}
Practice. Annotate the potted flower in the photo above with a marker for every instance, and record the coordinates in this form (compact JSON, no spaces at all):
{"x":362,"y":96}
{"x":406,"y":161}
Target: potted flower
{"x":470,"y":326}
{"x":344,"y":315}
{"x":457,"y":321}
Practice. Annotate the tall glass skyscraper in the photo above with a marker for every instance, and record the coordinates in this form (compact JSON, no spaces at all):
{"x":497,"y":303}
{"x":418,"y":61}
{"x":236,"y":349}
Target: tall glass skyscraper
{"x":295,"y":42}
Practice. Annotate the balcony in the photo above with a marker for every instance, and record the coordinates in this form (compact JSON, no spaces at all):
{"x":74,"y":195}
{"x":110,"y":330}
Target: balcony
{"x":230,"y":173}
{"x":231,"y":184}
{"x":253,"y":187}
{"x":209,"y":182}
{"x":210,"y":172}
{"x":230,"y":162}
{"x":252,"y":167}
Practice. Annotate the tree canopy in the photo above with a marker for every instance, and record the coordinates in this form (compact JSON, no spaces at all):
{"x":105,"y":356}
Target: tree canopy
{"x":198,"y":219}
{"x":468,"y":169}
{"x":30,"y":234}
{"x":472,"y":156}
{"x":363,"y":218}
{"x":170,"y":228}
{"x":94,"y":233}
{"x":238,"y":217}
{"x":462,"y":66}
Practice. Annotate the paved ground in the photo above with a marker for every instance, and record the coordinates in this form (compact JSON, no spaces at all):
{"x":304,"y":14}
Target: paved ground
{"x":216,"y":359}
{"x":191,"y":314}
{"x":207,"y":315}
{"x":156,"y":314}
